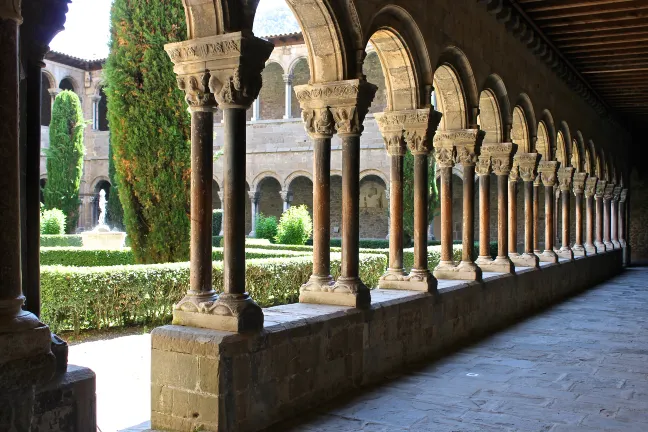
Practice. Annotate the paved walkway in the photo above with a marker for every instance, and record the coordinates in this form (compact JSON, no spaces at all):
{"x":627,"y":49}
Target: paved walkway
{"x":581,"y":366}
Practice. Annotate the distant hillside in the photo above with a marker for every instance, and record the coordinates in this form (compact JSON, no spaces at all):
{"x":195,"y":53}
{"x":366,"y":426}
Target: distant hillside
{"x":279,"y":20}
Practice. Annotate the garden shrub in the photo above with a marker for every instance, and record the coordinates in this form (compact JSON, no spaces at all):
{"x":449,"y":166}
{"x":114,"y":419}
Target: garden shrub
{"x":97,"y":297}
{"x":65,"y":240}
{"x":65,"y":157}
{"x":368,"y":243}
{"x":52,"y":222}
{"x":149,"y":128}
{"x":266,"y":227}
{"x":295,"y":226}
{"x":216,"y":241}
{"x":217,"y":221}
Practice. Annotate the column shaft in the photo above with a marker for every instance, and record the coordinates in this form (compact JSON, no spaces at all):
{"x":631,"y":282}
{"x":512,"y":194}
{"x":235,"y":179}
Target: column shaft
{"x":396,"y":214}
{"x":468,"y":228}
{"x":556,"y":195}
{"x":549,"y":220}
{"x":536,"y":218}
{"x":614,"y":213}
{"x":201,"y":201}
{"x":578,"y":206}
{"x":529,"y":217}
{"x":589,"y":223}
{"x":322,"y":208}
{"x":484,"y":216}
{"x":566,"y":233}
{"x":512,"y":216}
{"x":606,"y":222}
{"x":420,"y":212}
{"x":599,"y":223}
{"x":350,"y":206}
{"x":288,"y":100}
{"x":502,"y":215}
{"x":446,"y":214}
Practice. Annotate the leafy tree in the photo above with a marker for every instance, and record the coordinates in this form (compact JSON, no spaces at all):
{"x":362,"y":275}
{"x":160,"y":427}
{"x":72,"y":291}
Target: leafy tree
{"x":266,"y":227}
{"x":52,"y":222}
{"x":295,"y":226}
{"x":150,"y":128}
{"x":65,"y":157}
{"x":408,"y":194}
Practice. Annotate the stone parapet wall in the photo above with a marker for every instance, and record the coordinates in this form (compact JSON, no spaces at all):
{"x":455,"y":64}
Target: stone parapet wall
{"x":309,"y":354}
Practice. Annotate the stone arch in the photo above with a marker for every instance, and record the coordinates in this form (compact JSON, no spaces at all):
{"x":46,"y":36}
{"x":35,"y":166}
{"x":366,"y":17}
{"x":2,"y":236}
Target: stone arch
{"x":579,"y":157}
{"x":587,"y":164}
{"x":270,"y":202}
{"x":294,"y":62}
{"x":300,"y":72}
{"x":261,"y":176}
{"x":287,"y":183}
{"x":373,"y":70}
{"x":591,"y":157}
{"x":455,"y":91}
{"x":520,"y":131}
{"x":51,"y":81}
{"x":405,"y":62}
{"x":272,"y":96}
{"x":375,"y":173}
{"x":561,"y":149}
{"x":543,"y":146}
{"x":566,"y":150}
{"x":600,"y":172}
{"x":374,"y":207}
{"x":550,"y":128}
{"x":69,"y":83}
{"x":494,"y":110}
{"x":526,"y":115}
{"x":301,"y":190}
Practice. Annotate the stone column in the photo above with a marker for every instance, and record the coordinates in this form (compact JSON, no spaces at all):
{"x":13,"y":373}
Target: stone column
{"x":221,"y":196}
{"x":600,"y":191}
{"x":537,"y":183}
{"x":444,"y":153}
{"x":254,"y":207}
{"x":256,"y":110}
{"x":419,"y":128}
{"x":579,"y":188}
{"x":286,"y":198}
{"x":565,"y":178}
{"x":388,"y":199}
{"x":25,"y":354}
{"x":228,"y":68}
{"x":54,"y":92}
{"x":513,"y":178}
{"x":467,"y":143}
{"x":483,"y":169}
{"x":527,"y":164}
{"x":288,"y":79}
{"x":348,"y":102}
{"x":556,"y":195}
{"x":622,"y":215}
{"x":95,"y":111}
{"x":607,"y":220}
{"x":501,"y":162}
{"x":615,"y":217}
{"x":547,"y":171}
{"x":590,"y":189}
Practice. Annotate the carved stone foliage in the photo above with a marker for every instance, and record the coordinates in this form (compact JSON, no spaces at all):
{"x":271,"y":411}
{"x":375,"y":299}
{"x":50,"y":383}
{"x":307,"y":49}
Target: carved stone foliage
{"x":196,"y":88}
{"x":10,"y":10}
{"x":579,"y":182}
{"x":318,"y":122}
{"x":527,"y":164}
{"x":444,"y":156}
{"x":608,"y":193}
{"x":501,"y":156}
{"x":617,"y":193}
{"x":233,"y":63}
{"x":590,"y":186}
{"x":547,"y":170}
{"x":483,"y":167}
{"x":600,"y":188}
{"x":348,"y":102}
{"x":565,"y":177}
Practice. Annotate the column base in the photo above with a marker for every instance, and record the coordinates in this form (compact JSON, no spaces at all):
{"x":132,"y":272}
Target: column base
{"x":600,"y":247}
{"x":464,"y":271}
{"x":590,"y":249}
{"x":318,"y":283}
{"x":483,"y":260}
{"x":579,"y":250}
{"x":349,"y":292}
{"x":616,"y":244}
{"x":622,"y":243}
{"x":525,"y":260}
{"x":230,"y":312}
{"x":608,"y":245}
{"x":565,"y":253}
{"x":548,"y":256}
{"x":501,"y":264}
{"x":417,"y":280}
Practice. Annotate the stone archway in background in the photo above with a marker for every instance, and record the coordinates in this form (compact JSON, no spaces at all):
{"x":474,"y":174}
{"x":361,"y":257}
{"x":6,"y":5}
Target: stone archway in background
{"x":270,"y":202}
{"x":374,"y":207}
{"x":272,"y":96}
{"x":99,"y":186}
{"x":301,"y":188}
{"x":301,"y":75}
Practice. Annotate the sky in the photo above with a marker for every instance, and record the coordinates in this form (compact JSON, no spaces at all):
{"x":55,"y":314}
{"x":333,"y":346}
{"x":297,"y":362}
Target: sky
{"x":87,"y":29}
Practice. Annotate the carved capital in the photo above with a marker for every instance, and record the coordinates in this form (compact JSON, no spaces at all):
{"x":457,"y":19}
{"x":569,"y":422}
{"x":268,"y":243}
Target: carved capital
{"x":608,"y":193}
{"x":579,"y":182}
{"x":565,"y":176}
{"x":10,"y":10}
{"x":465,"y":141}
{"x":196,"y":89}
{"x":600,"y":189}
{"x":547,"y":170}
{"x":348,"y":102}
{"x":501,"y":156}
{"x":444,"y":156}
{"x":514,"y":174}
{"x":415,"y":127}
{"x":233,"y":62}
{"x":527,"y":164}
{"x":624,"y":195}
{"x":590,"y":186}
{"x":286,"y":195}
{"x":617,"y":193}
{"x":318,"y":122}
{"x":483,"y":167}
{"x":254,"y":196}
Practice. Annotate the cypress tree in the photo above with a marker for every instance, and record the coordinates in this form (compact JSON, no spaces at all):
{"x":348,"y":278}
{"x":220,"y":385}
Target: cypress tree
{"x":65,"y":157}
{"x":150,"y":128}
{"x":408,"y":193}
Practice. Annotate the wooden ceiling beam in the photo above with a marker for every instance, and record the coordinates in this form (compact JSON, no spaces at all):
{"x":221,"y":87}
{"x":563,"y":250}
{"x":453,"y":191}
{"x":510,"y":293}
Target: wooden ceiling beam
{"x":621,"y":17}
{"x":606,"y":41}
{"x":602,"y":36}
{"x":596,"y":27}
{"x":590,"y":11}
{"x":561,"y":5}
{"x":569,"y":51}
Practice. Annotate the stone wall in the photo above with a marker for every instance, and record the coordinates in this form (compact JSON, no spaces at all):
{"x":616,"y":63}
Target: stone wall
{"x":637,"y":204}
{"x":309,"y":354}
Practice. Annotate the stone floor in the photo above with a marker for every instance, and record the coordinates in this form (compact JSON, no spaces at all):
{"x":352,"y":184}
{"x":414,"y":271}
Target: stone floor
{"x":580,"y":366}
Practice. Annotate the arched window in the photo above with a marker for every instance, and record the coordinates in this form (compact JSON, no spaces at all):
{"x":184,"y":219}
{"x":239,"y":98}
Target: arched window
{"x":66,"y":84}
{"x":102,"y":111}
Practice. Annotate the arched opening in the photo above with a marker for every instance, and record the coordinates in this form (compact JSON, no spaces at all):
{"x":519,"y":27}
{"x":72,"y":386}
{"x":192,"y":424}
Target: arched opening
{"x":102,"y":111}
{"x":449,"y":99}
{"x":46,"y":100}
{"x":374,"y":209}
{"x":374,"y":73}
{"x":489,"y":118}
{"x":561,"y":150}
{"x":576,"y":160}
{"x":588,"y":163}
{"x":66,"y":84}
{"x":336,"y":206}
{"x":520,"y":131}
{"x":270,"y":202}
{"x":99,"y":186}
{"x":543,"y":145}
{"x":42,"y":182}
{"x":301,"y":188}
{"x":301,"y":75}
{"x":273,"y":92}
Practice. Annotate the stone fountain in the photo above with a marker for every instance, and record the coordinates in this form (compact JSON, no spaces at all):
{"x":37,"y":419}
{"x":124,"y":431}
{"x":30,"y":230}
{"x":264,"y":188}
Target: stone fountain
{"x":101,"y":237}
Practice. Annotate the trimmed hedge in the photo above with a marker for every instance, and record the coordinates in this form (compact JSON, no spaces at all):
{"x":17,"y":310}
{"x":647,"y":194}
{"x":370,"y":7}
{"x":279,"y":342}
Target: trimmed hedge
{"x":79,"y":257}
{"x":97,"y":297}
{"x":365,"y":243}
{"x":60,"y":241}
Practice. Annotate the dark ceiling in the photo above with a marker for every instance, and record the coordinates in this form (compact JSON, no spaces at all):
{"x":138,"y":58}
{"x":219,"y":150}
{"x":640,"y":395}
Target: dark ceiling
{"x":607,"y":43}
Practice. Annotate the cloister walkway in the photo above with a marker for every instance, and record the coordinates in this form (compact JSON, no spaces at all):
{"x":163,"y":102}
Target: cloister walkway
{"x":579,"y":366}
